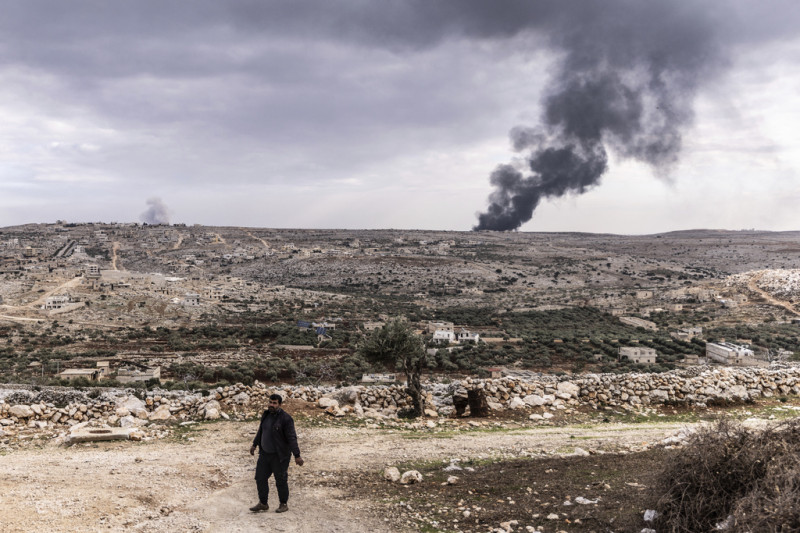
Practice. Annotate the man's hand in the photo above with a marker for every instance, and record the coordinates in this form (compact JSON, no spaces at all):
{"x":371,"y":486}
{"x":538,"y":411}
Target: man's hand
{"x":298,"y":461}
{"x":252,"y":450}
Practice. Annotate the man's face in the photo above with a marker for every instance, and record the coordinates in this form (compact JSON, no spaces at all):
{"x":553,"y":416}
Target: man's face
{"x":273,"y":406}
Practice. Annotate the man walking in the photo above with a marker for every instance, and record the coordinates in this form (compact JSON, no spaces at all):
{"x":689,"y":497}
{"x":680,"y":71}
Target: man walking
{"x":277,"y":441}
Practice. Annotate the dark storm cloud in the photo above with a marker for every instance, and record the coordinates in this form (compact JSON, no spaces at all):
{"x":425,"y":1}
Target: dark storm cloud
{"x":245,"y":91}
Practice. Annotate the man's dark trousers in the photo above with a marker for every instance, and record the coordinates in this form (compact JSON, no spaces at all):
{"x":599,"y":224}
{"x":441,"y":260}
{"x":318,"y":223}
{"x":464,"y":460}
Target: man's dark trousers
{"x":268,"y":465}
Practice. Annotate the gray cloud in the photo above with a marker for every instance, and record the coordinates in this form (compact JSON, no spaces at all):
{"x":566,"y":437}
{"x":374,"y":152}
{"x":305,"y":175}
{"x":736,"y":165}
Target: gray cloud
{"x":285,"y":91}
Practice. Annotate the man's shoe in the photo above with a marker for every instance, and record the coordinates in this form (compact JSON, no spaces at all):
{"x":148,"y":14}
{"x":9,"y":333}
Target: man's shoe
{"x":260,"y":508}
{"x":282,"y":508}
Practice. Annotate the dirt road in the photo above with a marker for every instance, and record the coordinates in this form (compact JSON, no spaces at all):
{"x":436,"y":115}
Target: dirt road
{"x":205,"y":484}
{"x":753,"y":286}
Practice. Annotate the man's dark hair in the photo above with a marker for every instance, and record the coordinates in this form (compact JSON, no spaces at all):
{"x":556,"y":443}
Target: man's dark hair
{"x":276,"y":397}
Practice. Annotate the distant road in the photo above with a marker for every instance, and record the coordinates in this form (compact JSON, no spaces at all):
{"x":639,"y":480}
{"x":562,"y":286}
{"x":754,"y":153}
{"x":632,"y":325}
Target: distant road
{"x":753,"y":286}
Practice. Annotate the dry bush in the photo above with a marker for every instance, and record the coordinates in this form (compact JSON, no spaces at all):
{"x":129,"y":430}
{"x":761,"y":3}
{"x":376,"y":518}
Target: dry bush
{"x":726,"y":470}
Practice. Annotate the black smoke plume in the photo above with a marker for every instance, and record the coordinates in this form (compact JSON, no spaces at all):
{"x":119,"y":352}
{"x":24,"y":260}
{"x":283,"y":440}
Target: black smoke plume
{"x":156,"y":212}
{"x":626,"y":82}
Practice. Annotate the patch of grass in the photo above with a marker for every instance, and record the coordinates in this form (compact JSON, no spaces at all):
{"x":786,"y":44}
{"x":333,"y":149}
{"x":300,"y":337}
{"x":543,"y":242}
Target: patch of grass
{"x":182,"y":434}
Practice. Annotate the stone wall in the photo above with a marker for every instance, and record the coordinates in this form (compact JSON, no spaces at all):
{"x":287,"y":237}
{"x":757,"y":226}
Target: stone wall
{"x":122,"y":407}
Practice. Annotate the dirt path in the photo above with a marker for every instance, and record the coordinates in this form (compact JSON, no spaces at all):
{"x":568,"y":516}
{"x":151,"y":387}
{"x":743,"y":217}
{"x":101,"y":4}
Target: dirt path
{"x":206,"y":484}
{"x":73,"y":282}
{"x":114,"y":249}
{"x":753,"y":286}
{"x":262,"y":241}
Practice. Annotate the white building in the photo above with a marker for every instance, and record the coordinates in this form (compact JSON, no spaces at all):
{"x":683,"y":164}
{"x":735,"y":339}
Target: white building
{"x":638,"y":354}
{"x":443,"y":335}
{"x":56,"y":302}
{"x":129,"y":375}
{"x":191,"y":299}
{"x":728,"y":353}
{"x":465,"y":336}
{"x":638,"y":322}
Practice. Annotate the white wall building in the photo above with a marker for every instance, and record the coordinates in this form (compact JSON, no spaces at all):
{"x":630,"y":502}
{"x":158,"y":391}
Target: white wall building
{"x":728,"y":353}
{"x":443,"y":335}
{"x":56,"y":302}
{"x":638,"y":354}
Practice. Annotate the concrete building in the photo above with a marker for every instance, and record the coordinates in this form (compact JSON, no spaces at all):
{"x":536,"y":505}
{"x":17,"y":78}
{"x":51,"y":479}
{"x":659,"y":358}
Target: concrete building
{"x":434,"y":326}
{"x":92,"y":270}
{"x":638,"y":322}
{"x":129,"y":375}
{"x":638,"y":354}
{"x":443,"y":335}
{"x":92,"y":374}
{"x":728,"y":353}
{"x":56,"y":302}
{"x":686,"y":334}
{"x":465,"y":336}
{"x":191,"y":299}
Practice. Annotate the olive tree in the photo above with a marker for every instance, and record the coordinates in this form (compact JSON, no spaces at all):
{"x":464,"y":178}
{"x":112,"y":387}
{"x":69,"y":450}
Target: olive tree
{"x":396,"y":343}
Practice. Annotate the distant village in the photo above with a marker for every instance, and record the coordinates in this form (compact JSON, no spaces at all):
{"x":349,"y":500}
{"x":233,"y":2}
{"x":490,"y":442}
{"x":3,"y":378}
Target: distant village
{"x":138,"y":275}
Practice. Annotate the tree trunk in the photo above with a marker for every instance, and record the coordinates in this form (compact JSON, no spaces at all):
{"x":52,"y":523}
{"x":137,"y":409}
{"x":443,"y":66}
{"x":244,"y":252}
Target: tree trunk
{"x":414,"y":388}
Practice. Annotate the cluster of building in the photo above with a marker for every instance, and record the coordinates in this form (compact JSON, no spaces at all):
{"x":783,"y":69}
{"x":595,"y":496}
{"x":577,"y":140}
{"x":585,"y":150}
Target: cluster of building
{"x":129,"y":373}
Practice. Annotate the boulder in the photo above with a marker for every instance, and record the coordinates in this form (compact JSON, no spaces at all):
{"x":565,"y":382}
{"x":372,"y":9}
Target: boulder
{"x":21,"y":411}
{"x":516,"y":403}
{"x":534,"y":400}
{"x":326,"y":403}
{"x":659,"y":396}
{"x":567,"y":388}
{"x":129,"y":421}
{"x":161,"y":413}
{"x":130,"y":403}
{"x":241,"y":398}
{"x":410,"y":477}
{"x":391,"y":473}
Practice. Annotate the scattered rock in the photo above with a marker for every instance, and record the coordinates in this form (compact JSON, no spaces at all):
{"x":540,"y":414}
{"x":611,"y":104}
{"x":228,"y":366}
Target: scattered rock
{"x":650,"y":515}
{"x":391,"y":473}
{"x":411,"y":477}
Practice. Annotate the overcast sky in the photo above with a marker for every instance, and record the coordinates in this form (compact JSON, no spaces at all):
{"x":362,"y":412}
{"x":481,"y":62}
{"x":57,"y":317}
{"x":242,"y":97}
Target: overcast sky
{"x":394,"y":114}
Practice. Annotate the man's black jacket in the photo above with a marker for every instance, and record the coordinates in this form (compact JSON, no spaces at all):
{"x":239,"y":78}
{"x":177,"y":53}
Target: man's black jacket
{"x":284,"y":436}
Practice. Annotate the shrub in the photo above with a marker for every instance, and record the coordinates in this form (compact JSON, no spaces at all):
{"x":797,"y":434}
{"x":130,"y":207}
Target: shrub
{"x":727,"y":471}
